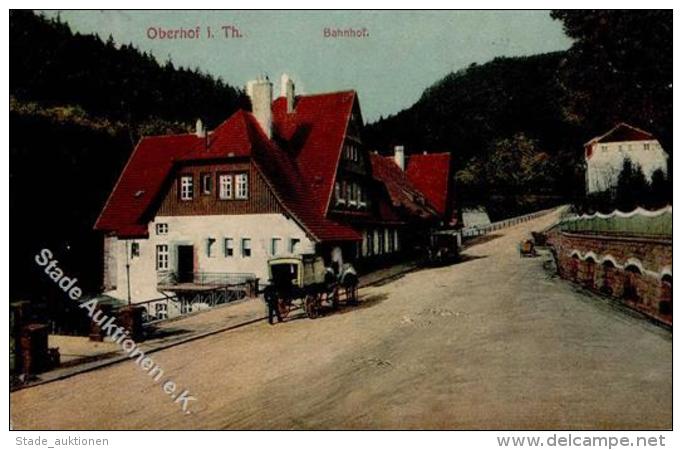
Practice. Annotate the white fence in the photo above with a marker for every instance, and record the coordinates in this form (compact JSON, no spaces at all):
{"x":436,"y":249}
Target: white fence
{"x":480,"y":230}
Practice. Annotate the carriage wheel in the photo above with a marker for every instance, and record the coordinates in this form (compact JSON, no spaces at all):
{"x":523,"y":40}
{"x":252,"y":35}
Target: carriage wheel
{"x":335,"y":298}
{"x":352,"y":295}
{"x":311,"y":303}
{"x":283,"y":308}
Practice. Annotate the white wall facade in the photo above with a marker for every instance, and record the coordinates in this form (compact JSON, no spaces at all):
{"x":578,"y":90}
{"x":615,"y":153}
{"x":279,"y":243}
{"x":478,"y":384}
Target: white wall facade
{"x":195,"y":231}
{"x":606,"y":162}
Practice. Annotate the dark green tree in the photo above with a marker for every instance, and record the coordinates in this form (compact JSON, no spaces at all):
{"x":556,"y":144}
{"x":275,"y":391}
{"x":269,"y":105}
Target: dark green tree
{"x":661,"y":189}
{"x":619,"y":69}
{"x":632,"y":189}
{"x":54,"y":66}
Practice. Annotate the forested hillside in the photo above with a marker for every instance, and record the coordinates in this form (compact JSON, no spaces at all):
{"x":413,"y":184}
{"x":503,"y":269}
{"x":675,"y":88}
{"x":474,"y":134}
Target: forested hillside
{"x":78,"y":105}
{"x":515,"y":126}
{"x":467,"y":109}
{"x":54,"y":66}
{"x":503,"y":123}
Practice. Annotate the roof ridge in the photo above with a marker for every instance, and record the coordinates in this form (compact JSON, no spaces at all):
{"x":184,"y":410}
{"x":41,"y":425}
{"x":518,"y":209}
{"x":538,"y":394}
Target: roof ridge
{"x":320,"y":94}
{"x":614,"y":128}
{"x":625,"y":124}
{"x":430,"y":154}
{"x":159,"y":136}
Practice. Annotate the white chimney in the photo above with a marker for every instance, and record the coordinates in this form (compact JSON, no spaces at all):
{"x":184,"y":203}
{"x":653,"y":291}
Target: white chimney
{"x":249,"y":87}
{"x":287,"y":90}
{"x":200,"y":131}
{"x":399,"y":156}
{"x":260,"y":91}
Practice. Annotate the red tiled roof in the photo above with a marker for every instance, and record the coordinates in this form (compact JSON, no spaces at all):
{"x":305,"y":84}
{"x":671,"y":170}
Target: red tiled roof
{"x":404,"y":195}
{"x":622,"y":132}
{"x":154,"y":158}
{"x":139,"y":183}
{"x":299,"y":164}
{"x":314,"y":134}
{"x":430,"y":173}
{"x":287,"y":181}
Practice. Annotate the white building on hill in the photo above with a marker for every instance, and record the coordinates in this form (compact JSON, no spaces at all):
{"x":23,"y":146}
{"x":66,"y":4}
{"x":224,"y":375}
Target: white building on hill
{"x":605,"y":155}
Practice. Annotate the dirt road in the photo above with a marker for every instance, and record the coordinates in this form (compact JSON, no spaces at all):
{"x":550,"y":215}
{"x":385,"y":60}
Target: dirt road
{"x":494,"y":342}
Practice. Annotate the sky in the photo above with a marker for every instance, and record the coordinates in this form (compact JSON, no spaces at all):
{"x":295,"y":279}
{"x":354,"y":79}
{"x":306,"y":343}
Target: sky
{"x":397,"y":56}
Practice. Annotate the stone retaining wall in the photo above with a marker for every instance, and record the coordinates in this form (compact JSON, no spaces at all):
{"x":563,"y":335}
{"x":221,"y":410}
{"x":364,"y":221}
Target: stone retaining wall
{"x":635,"y":270}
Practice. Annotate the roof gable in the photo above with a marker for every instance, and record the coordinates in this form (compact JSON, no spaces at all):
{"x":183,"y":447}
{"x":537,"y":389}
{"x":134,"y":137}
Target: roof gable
{"x":286,"y":179}
{"x":313,"y":134}
{"x":153,"y":160}
{"x":622,"y":132}
{"x":403,"y":194}
{"x":430,"y":173}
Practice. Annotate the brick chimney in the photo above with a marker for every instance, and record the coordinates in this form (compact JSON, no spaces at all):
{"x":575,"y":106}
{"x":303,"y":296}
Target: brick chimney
{"x":287,"y":90}
{"x":260,"y":92}
{"x":399,"y":156}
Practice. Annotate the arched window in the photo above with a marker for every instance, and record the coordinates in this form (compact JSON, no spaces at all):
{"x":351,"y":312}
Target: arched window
{"x":573,"y":265}
{"x":608,"y":277}
{"x":632,"y":276}
{"x":587,"y":277}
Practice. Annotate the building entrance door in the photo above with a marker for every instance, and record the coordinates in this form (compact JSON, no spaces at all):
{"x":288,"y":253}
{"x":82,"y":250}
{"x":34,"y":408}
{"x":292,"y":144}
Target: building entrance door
{"x":185,"y":263}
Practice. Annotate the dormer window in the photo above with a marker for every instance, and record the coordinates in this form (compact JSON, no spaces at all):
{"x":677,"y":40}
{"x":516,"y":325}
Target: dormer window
{"x":186,"y":187}
{"x":351,"y":152}
{"x":338,"y":194}
{"x":352,"y":200}
{"x":361,"y":197}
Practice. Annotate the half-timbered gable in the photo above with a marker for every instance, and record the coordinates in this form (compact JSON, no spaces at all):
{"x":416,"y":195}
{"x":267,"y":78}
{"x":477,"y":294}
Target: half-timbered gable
{"x":218,"y":188}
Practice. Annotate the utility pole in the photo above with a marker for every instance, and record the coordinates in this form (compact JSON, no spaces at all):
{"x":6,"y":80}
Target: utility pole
{"x":128,"y":271}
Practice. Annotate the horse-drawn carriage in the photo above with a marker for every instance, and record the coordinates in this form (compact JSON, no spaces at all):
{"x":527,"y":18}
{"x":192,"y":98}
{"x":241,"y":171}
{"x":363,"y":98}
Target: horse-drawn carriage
{"x":304,"y":281}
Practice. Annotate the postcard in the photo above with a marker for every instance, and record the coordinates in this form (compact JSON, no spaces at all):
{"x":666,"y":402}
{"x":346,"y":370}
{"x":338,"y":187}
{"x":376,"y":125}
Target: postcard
{"x":341,"y":220}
